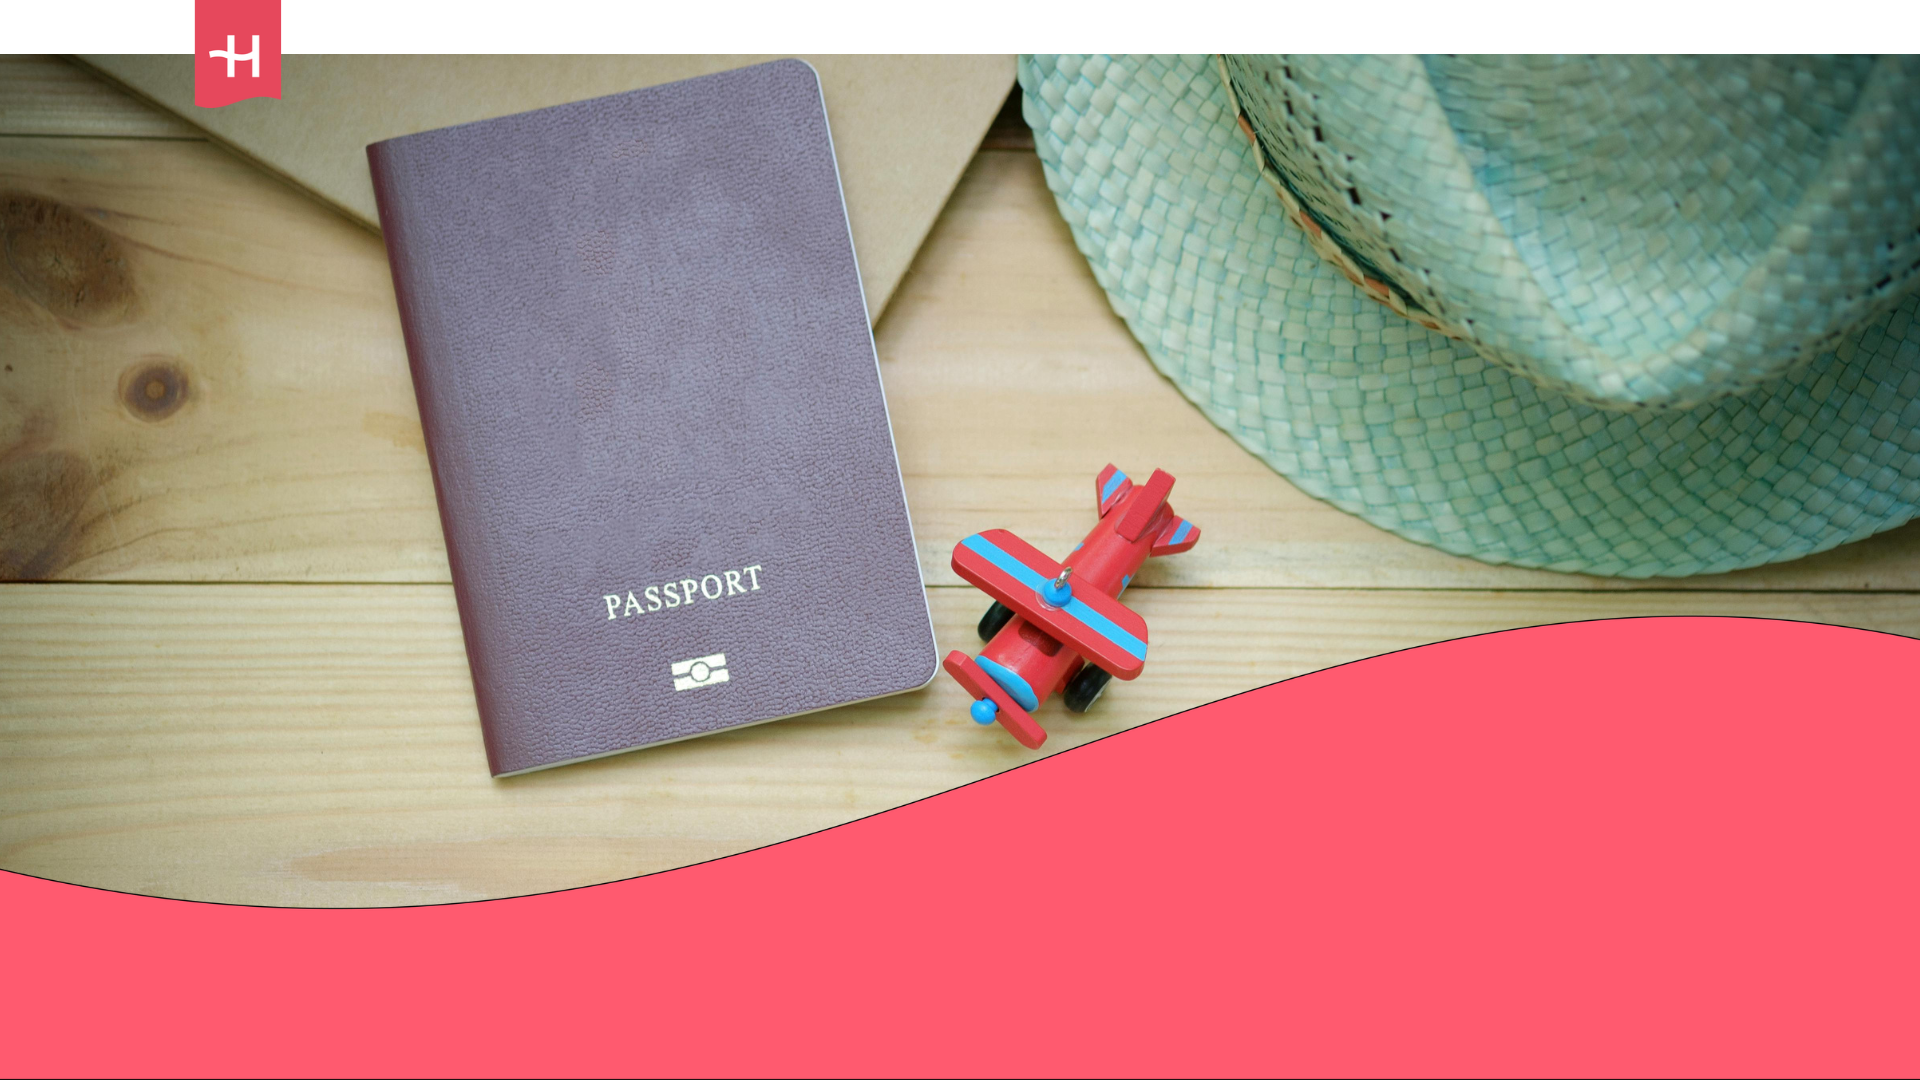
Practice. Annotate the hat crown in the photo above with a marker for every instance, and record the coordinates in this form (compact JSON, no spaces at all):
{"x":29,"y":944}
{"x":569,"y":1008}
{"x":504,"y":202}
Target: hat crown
{"x":1633,"y":231}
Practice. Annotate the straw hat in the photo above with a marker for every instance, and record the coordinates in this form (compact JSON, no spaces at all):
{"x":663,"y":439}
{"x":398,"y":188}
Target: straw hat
{"x":1630,"y":316}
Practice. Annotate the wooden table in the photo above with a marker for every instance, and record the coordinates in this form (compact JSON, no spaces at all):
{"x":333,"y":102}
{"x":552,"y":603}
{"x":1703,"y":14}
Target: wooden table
{"x":230,"y":664}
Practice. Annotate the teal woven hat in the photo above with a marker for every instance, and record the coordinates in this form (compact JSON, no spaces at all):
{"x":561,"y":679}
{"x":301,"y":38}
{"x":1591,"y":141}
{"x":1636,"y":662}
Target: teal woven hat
{"x":1625,"y":316}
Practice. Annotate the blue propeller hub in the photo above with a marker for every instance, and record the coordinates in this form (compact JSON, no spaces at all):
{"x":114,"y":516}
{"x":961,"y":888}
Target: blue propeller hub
{"x":984,"y":711}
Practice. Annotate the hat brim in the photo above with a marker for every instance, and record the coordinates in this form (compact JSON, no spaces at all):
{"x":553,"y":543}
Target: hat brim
{"x":1413,"y":431}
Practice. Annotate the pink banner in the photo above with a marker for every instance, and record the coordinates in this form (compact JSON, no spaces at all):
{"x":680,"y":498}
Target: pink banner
{"x":236,"y":51}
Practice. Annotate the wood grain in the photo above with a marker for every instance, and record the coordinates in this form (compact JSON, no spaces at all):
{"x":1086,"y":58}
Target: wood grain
{"x":296,"y":454}
{"x":244,"y":679}
{"x":293,"y":449}
{"x":318,"y":744}
{"x":45,"y":95}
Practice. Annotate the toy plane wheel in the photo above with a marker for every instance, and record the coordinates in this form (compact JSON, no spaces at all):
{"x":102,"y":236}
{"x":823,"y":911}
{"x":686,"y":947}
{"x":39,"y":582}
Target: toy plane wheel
{"x":995,"y":620}
{"x":1084,"y":689}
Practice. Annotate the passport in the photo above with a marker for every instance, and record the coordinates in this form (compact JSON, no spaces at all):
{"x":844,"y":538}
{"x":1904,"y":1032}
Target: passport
{"x":654,"y":415}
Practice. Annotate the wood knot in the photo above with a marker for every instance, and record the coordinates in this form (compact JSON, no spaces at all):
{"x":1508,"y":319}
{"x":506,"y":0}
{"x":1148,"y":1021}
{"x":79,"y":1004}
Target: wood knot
{"x":154,"y":388}
{"x":63,"y":261}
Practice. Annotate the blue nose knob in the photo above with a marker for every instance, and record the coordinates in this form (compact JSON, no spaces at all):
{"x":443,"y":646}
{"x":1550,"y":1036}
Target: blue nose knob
{"x":984,"y":711}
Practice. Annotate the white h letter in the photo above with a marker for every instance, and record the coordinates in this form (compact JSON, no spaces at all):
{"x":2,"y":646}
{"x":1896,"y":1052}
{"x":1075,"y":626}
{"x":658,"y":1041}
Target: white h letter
{"x":242,"y":57}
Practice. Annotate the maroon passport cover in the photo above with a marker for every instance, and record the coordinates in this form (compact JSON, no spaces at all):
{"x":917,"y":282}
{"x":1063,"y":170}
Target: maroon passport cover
{"x":653,"y":408}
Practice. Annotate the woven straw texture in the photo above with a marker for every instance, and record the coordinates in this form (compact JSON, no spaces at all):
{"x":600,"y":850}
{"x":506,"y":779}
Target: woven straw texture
{"x":1632,"y":231}
{"x":1422,"y":433}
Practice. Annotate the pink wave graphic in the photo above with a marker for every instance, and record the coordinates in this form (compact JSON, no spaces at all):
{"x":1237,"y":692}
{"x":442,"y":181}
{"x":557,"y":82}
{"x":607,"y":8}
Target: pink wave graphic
{"x":1637,"y":847}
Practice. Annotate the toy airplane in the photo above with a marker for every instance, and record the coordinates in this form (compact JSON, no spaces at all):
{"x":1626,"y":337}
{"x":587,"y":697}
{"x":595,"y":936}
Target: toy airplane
{"x":1060,"y":627}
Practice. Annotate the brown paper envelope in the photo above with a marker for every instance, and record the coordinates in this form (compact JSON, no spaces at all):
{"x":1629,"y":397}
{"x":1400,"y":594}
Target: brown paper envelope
{"x":904,"y":127}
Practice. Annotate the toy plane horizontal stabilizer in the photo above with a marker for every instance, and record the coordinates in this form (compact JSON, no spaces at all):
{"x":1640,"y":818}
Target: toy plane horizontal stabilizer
{"x":1110,"y":487}
{"x":1176,"y":536}
{"x":978,"y":683}
{"x":1101,"y":629}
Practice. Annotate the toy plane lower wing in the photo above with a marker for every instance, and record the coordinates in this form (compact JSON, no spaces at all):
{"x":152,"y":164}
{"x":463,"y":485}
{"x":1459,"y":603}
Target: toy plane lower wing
{"x":1015,"y":719}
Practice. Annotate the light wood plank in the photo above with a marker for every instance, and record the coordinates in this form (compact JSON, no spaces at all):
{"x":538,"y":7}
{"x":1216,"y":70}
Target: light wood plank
{"x":47,"y":95}
{"x":297,"y":455}
{"x":318,"y":744}
{"x":295,"y":451}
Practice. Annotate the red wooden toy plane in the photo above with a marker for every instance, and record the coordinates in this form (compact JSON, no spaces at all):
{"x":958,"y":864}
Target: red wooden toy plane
{"x":1060,"y":627}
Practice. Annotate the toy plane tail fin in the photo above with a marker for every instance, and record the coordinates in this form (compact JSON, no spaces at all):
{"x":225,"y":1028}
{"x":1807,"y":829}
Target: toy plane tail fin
{"x":1144,"y":506}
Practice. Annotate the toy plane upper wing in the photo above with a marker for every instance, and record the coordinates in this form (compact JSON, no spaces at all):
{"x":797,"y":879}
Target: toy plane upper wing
{"x":1095,"y":625}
